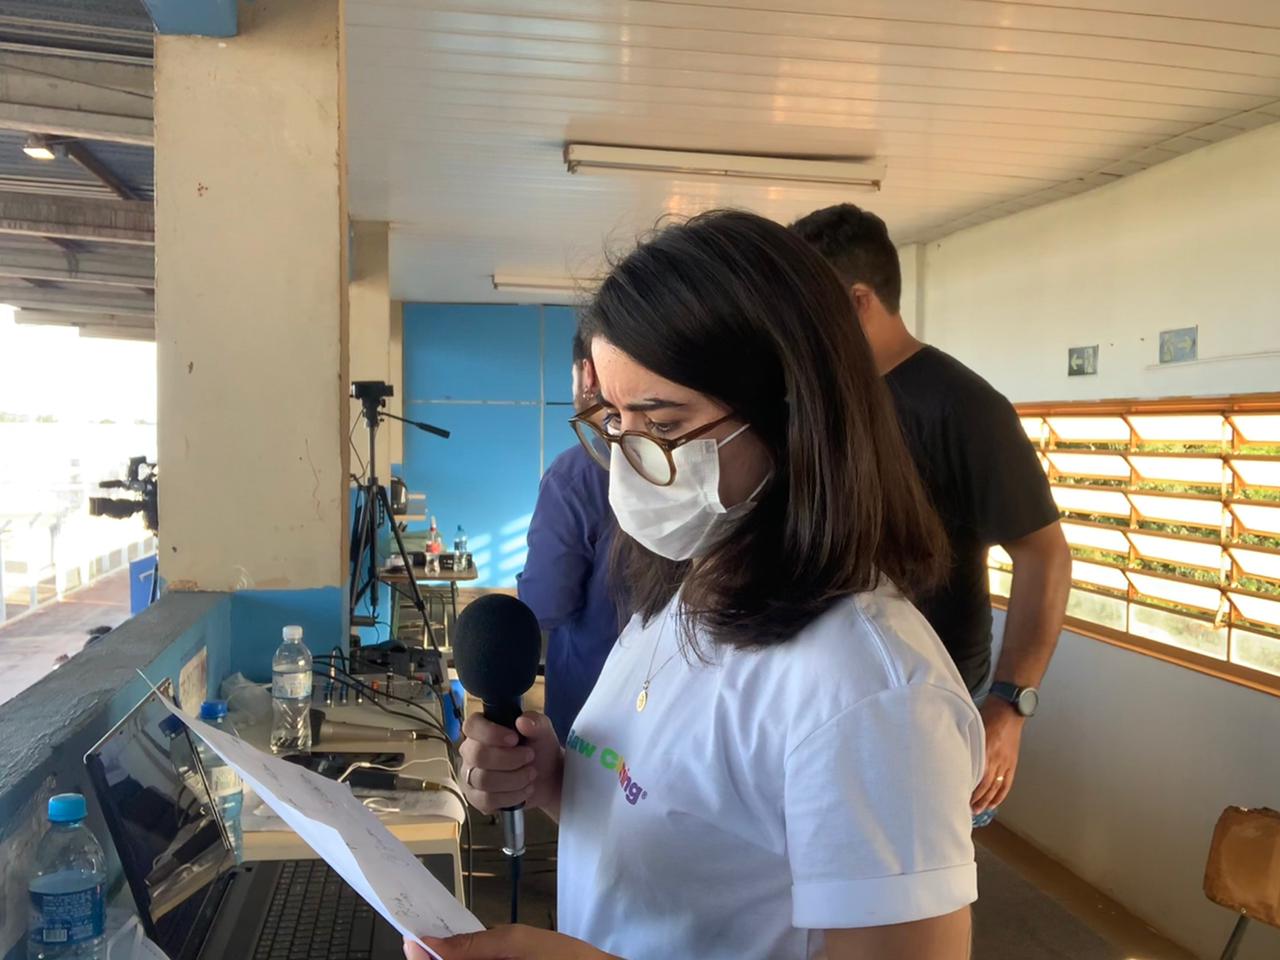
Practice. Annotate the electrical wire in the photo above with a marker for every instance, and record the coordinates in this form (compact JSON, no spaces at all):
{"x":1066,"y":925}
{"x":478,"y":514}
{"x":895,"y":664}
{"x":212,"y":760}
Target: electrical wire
{"x":351,"y":440}
{"x":353,"y":682}
{"x":357,"y":683}
{"x":435,"y":730}
{"x":515,"y":888}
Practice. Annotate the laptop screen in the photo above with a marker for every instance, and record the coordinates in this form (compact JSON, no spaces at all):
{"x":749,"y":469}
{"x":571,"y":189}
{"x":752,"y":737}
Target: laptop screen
{"x":156,"y":805}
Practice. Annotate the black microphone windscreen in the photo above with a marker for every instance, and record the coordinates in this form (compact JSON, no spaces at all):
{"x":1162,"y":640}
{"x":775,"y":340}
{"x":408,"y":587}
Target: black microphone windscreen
{"x":497,"y":644}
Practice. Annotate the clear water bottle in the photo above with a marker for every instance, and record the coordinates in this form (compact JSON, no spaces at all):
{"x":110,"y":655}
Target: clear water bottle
{"x":68,"y":913}
{"x":461,"y":560}
{"x":291,"y":695}
{"x":224,"y":782}
{"x":180,"y":755}
{"x":984,"y":818}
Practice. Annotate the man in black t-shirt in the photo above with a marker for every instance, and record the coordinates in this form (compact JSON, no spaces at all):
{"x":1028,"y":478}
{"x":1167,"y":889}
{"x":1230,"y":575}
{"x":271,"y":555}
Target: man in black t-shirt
{"x":986,"y":484}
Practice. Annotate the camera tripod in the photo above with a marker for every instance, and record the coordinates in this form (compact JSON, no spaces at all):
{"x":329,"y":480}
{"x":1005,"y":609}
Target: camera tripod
{"x":372,"y":507}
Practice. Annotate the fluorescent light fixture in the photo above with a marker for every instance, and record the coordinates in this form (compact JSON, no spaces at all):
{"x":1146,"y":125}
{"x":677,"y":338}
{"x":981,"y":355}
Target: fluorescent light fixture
{"x":533,"y":284}
{"x":38,"y":147}
{"x":860,"y":175}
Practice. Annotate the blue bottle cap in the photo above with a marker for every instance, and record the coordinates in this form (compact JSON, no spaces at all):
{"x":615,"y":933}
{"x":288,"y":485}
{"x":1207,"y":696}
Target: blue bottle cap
{"x":67,"y":808}
{"x":213,"y":710}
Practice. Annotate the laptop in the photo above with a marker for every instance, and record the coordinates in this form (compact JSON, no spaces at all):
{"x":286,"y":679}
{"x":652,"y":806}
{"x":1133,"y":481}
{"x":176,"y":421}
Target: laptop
{"x":194,"y":901}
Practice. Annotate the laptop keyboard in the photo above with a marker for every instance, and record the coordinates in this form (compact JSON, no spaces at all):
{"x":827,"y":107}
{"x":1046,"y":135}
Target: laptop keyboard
{"x":314,"y":915}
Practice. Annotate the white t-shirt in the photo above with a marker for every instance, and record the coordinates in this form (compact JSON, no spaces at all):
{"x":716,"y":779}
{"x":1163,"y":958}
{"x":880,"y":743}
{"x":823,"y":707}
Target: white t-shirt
{"x":823,"y":783}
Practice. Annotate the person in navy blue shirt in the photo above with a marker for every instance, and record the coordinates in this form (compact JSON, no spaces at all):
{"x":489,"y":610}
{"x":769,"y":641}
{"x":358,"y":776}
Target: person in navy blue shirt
{"x":566,"y":579}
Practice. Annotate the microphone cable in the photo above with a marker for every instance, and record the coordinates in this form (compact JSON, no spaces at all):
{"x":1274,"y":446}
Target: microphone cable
{"x":376,"y":696}
{"x":434,"y":732}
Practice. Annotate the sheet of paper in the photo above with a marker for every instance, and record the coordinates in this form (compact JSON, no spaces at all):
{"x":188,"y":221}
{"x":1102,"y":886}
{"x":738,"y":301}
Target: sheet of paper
{"x":391,"y":809}
{"x":348,"y":837}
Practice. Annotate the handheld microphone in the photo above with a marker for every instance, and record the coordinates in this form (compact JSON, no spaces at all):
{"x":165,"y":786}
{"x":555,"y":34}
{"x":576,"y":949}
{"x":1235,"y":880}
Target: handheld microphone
{"x":325,"y":731}
{"x":496,"y":648}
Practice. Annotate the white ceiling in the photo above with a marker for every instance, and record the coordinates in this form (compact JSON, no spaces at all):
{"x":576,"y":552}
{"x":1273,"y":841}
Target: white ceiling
{"x":459,"y":110}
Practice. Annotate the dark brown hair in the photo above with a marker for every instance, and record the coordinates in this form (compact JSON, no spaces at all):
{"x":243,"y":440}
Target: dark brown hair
{"x":856,"y":243}
{"x":739,"y":308}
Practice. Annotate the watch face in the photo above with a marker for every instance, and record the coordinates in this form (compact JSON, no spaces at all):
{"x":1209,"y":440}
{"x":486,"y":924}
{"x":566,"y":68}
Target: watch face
{"x":1028,"y":701}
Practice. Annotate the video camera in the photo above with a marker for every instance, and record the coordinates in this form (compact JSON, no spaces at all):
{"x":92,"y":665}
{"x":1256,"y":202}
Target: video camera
{"x":141,"y":483}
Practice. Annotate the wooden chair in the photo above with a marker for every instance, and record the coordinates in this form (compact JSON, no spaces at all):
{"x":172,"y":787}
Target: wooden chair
{"x":1243,"y":869}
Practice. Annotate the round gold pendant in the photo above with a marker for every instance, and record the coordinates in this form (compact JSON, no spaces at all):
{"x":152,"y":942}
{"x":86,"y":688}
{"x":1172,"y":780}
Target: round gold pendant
{"x":642,"y":699}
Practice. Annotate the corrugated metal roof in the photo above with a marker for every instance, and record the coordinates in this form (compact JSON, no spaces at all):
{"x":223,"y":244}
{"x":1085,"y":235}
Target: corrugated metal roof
{"x":62,"y":176}
{"x":119,"y":27}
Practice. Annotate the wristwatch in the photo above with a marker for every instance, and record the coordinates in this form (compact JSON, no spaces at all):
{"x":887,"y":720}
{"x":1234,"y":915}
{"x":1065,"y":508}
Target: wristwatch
{"x":1023,"y":699}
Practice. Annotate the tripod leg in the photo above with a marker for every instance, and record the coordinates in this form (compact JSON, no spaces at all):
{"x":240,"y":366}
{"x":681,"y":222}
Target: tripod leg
{"x":418,"y":603}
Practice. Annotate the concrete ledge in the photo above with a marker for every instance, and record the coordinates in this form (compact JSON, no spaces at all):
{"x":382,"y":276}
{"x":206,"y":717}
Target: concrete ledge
{"x":46,"y":729}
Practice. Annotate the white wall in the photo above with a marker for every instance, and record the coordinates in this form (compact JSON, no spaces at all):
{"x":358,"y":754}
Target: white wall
{"x":1128,"y":766}
{"x":911,"y":258}
{"x":1195,"y":241}
{"x":1124,"y":772}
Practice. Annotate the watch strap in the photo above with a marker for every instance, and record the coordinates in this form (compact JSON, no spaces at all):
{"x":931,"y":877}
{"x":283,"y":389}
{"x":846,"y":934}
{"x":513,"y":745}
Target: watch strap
{"x":1006,"y":691}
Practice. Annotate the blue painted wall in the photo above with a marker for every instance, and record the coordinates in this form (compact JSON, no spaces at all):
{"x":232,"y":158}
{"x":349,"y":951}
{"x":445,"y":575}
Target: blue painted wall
{"x":498,"y":376}
{"x":205,"y":18}
{"x":259,"y":616}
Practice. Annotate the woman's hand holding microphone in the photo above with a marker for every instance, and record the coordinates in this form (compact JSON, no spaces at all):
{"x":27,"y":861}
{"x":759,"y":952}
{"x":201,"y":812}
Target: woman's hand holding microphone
{"x":499,"y":772}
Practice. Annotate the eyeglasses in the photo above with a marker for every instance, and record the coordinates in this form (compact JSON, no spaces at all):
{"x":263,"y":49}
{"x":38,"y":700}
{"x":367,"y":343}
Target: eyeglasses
{"x":648,"y":455}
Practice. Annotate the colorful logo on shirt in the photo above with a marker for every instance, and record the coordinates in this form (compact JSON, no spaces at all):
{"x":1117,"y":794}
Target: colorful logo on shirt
{"x":610,"y":760}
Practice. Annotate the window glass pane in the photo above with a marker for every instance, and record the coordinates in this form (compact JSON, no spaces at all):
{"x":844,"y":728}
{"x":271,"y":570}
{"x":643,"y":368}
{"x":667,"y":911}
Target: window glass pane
{"x":1096,"y":608}
{"x":998,"y":554}
{"x":1187,"y":594}
{"x":1104,"y":429}
{"x":1258,"y":518}
{"x":999,"y":582}
{"x":1177,"y":630}
{"x":1032,"y":426}
{"x":1207,"y":555}
{"x":1188,"y":428}
{"x":1206,"y":470}
{"x":1098,"y":574}
{"x":1202,"y":513}
{"x":1100,"y":538}
{"x":1258,"y":473}
{"x":1258,"y":427}
{"x":1255,"y":650}
{"x":1103,"y":502}
{"x":1259,"y":609}
{"x":1090,"y":465}
{"x":1256,"y":563}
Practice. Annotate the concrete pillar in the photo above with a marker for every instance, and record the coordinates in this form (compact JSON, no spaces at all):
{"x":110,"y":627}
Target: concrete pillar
{"x":371,"y":331}
{"x":251,"y":301}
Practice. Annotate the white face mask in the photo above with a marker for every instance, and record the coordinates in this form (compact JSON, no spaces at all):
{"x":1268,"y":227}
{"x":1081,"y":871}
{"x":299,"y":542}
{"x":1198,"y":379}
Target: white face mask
{"x":685,"y":519}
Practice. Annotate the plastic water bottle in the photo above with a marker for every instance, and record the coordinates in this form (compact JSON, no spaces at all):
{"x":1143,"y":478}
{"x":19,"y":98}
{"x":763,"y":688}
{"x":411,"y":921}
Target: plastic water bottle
{"x":68,"y":913}
{"x":181,"y":756}
{"x":984,"y":818}
{"x":224,"y":782}
{"x":291,"y":695}
{"x":460,"y":548}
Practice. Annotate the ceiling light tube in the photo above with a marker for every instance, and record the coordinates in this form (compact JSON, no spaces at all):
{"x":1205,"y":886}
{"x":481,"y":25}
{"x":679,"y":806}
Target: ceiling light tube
{"x":515,"y":282}
{"x":863,"y":175}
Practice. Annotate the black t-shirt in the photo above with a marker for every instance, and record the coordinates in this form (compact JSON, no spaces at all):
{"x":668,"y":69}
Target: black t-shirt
{"x":985,"y":482}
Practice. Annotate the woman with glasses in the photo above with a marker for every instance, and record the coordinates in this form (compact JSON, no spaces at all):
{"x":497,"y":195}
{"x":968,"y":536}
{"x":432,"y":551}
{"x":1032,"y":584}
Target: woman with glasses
{"x":777,"y":759}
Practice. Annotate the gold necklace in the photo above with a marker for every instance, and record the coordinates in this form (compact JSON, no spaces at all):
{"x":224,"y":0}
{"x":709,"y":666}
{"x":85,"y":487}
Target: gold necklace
{"x":643,"y":698}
